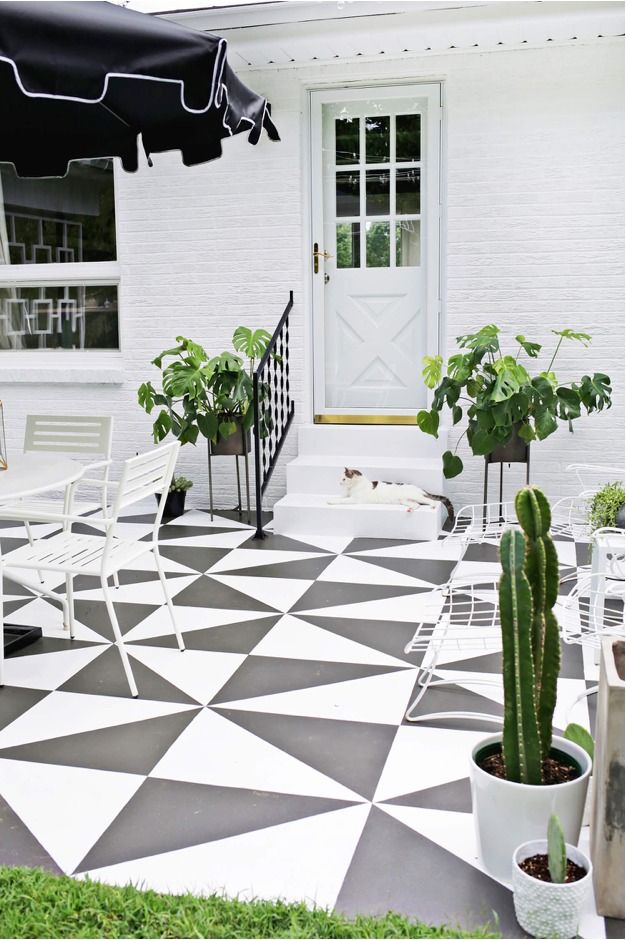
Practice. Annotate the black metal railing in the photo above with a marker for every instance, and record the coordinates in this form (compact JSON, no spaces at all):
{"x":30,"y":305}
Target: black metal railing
{"x":273,"y":409}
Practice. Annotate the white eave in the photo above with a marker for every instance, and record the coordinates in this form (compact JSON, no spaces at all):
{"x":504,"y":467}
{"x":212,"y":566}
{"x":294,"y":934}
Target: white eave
{"x":292,"y":33}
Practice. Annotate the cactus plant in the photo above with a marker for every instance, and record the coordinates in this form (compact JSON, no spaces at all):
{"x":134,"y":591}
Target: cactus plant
{"x":531,"y":651}
{"x":557,"y":853}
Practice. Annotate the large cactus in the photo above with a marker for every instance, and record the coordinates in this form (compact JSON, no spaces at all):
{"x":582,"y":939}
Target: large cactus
{"x":530,"y":638}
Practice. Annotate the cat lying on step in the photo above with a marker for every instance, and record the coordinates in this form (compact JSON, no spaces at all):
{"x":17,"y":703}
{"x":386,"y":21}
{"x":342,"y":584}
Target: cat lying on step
{"x":359,"y":490}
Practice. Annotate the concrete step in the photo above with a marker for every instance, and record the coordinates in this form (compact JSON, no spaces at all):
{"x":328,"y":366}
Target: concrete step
{"x":310,"y":514}
{"x":335,"y":440}
{"x":321,"y":474}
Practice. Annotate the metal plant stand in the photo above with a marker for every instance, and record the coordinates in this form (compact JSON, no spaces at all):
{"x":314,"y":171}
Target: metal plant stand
{"x":516,"y":451}
{"x":245,"y":450}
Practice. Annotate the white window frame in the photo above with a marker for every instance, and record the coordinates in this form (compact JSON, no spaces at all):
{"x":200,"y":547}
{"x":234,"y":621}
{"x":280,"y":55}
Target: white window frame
{"x":67,"y":366}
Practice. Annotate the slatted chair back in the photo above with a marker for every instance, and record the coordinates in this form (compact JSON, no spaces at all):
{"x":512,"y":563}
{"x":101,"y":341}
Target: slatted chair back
{"x":146,"y":475}
{"x":90,"y":437}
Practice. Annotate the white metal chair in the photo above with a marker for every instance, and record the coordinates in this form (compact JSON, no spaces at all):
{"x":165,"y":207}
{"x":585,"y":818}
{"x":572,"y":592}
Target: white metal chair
{"x":464,"y":616}
{"x":570,"y":515}
{"x":478,"y":523}
{"x":102,"y":556}
{"x":66,"y":434}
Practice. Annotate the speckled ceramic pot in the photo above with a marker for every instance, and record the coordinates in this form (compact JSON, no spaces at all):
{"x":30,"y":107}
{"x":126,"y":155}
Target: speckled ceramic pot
{"x":544,"y":909}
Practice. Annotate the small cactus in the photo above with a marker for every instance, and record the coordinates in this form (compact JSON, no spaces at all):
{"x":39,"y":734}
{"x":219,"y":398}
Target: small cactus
{"x":531,"y":651}
{"x":557,"y":853}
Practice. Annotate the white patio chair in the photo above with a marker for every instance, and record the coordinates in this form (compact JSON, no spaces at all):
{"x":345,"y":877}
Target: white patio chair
{"x":478,"y":523}
{"x":89,"y":437}
{"x":570,"y":514}
{"x":102,"y":556}
{"x":463,"y":616}
{"x":592,"y":477}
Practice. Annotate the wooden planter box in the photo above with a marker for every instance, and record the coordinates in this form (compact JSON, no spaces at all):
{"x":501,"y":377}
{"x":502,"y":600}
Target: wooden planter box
{"x":607,"y":822}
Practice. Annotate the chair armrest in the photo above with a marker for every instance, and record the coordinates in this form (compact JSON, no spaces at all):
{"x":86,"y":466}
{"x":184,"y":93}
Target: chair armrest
{"x":98,"y":464}
{"x":13,"y":514}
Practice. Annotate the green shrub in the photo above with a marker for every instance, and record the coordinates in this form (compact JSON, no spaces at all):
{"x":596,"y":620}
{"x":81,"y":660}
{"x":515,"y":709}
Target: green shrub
{"x":605,"y":505}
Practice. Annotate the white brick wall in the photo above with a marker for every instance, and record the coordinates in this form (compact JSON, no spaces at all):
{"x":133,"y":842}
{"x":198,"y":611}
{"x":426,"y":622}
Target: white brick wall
{"x":534,"y":239}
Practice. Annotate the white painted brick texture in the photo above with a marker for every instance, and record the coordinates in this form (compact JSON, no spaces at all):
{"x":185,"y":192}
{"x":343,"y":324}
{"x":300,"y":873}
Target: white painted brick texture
{"x":533,"y":171}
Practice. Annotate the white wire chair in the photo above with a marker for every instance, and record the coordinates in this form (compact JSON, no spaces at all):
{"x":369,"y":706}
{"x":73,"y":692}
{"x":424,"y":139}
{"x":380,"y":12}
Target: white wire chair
{"x":570,"y":515}
{"x":592,"y":477}
{"x":71,"y":553}
{"x":479,"y":523}
{"x":463,"y":616}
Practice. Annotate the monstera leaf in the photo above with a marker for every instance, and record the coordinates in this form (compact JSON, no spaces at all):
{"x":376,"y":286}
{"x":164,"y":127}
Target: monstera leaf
{"x":184,"y":378}
{"x":532,"y":349}
{"x":486,"y":339}
{"x":510,"y":378}
{"x":428,"y":422}
{"x":569,"y":403}
{"x":431,"y":373}
{"x":595,"y":391}
{"x":452,"y":465}
{"x":584,"y":338}
{"x":252,"y":343}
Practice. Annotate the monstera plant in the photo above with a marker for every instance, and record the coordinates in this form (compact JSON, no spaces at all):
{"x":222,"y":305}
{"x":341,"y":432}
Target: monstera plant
{"x":499,"y":397}
{"x":207,"y":395}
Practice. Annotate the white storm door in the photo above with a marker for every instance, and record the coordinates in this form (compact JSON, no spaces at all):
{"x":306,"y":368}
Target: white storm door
{"x":375,"y":248}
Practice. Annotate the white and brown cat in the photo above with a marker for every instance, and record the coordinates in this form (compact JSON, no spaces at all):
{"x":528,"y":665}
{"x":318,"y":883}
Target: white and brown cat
{"x":359,"y":490}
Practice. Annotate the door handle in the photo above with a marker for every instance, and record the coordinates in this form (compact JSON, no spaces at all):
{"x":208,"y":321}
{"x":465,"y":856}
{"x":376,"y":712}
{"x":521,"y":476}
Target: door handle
{"x":317,"y":254}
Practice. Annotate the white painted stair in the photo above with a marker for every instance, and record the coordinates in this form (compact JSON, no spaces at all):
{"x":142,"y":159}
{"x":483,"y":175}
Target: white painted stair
{"x":392,"y":454}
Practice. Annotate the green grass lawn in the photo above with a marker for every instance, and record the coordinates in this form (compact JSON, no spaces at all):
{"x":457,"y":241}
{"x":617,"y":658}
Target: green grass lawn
{"x":36,"y":904}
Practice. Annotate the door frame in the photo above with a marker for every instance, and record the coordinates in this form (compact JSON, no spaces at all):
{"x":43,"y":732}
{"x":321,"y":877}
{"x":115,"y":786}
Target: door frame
{"x":434,"y":255}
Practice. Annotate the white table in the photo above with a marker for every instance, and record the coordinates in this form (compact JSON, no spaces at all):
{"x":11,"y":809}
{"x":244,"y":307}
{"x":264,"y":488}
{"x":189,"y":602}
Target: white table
{"x":30,"y":475}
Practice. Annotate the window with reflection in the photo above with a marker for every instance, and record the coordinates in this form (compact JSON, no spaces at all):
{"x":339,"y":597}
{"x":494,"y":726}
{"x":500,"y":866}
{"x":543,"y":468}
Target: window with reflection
{"x":348,"y":245}
{"x":378,"y":199}
{"x":377,"y":244}
{"x":347,"y":140}
{"x":69,"y":224}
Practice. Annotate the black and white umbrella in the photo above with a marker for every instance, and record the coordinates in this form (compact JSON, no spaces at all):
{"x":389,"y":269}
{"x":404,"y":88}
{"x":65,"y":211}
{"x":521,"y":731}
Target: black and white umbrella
{"x":80,"y":80}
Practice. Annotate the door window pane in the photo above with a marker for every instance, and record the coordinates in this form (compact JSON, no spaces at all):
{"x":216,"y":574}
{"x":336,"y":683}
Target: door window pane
{"x":348,"y":189}
{"x":407,"y":191}
{"x":377,"y":241}
{"x":349,"y":245}
{"x":347,"y":140}
{"x":408,"y":134}
{"x":377,"y":139}
{"x":58,"y":220}
{"x":408,"y":244}
{"x":56,"y":316}
{"x":377,"y":192}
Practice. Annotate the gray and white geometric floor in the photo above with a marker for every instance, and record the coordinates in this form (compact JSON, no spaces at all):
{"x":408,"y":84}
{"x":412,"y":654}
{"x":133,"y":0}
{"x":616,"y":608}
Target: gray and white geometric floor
{"x":271,"y":759}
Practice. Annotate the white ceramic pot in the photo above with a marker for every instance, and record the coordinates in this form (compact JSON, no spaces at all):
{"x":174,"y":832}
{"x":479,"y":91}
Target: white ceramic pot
{"x":544,"y":909}
{"x":507,"y":814}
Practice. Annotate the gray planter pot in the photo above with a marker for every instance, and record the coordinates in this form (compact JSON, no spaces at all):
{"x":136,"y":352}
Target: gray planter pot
{"x":515,"y":451}
{"x":544,"y":909}
{"x":237,"y":445}
{"x":607,"y":821}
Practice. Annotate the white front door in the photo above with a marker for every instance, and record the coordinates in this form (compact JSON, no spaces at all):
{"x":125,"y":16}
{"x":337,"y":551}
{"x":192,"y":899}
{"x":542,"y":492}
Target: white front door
{"x":375,"y":249}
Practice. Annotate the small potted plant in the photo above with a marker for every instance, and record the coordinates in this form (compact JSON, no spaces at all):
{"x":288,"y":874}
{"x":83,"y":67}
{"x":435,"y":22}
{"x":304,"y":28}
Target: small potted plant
{"x":506,"y":408}
{"x":175,"y":499}
{"x":522,"y":775}
{"x":551,"y":882}
{"x":606,"y":507}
